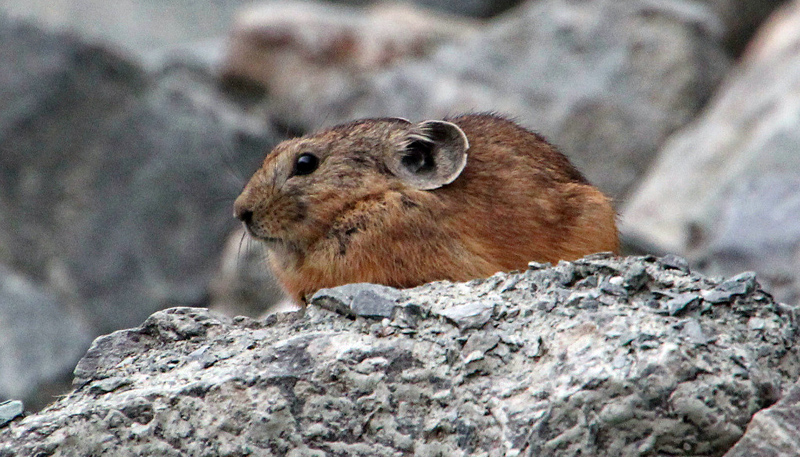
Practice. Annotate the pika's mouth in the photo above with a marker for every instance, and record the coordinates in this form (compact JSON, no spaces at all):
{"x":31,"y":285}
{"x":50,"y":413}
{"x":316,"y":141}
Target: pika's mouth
{"x":261,"y":237}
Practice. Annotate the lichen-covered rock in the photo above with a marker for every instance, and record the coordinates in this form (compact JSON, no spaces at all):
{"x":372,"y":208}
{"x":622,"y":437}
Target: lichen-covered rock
{"x":592,"y":357}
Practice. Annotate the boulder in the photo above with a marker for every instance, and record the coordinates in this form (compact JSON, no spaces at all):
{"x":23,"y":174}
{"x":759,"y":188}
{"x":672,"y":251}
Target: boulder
{"x":41,"y":340}
{"x":604,"y":356}
{"x":740,"y":19}
{"x":724,"y":190}
{"x":117,"y":184}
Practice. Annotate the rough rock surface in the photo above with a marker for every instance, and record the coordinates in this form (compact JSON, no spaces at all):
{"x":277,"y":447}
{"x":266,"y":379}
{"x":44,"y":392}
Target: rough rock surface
{"x":604,"y":356}
{"x":41,"y":339}
{"x":606,"y":81}
{"x":773,"y":432}
{"x":724,"y":191}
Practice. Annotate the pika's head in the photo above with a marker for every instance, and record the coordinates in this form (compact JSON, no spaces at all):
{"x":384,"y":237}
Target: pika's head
{"x":305,"y":184}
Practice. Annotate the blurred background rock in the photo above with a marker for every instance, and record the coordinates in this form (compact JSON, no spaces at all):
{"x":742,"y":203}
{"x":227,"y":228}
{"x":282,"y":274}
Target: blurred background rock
{"x":127,"y":128}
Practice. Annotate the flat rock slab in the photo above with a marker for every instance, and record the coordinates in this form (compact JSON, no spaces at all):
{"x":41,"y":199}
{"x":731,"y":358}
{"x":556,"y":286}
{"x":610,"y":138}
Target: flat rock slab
{"x":555,"y":366}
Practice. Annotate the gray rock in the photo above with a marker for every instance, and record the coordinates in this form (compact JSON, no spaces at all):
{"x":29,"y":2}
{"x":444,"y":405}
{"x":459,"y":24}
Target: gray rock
{"x":682,"y":303}
{"x":724,"y":190}
{"x":773,"y":432}
{"x":740,"y":284}
{"x":676,"y":262}
{"x":613,"y":379}
{"x":135,"y":26}
{"x":741,"y":19}
{"x":150,"y":28}
{"x":470,"y":315}
{"x":362,"y":299}
{"x":119,"y":182}
{"x":10,"y":410}
{"x":476,"y":8}
{"x":41,"y":339}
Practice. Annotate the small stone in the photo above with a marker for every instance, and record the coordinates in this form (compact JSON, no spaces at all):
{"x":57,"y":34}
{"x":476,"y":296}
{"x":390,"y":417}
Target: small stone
{"x":470,"y":315}
{"x":694,"y":332}
{"x":368,"y":303}
{"x":613,"y":289}
{"x":741,"y":284}
{"x":536,"y":349}
{"x":566,"y":273}
{"x":635,"y":277}
{"x":510,"y":283}
{"x":682,"y":303}
{"x":108,"y":385}
{"x":10,"y":410}
{"x":674,"y":262}
{"x":538,"y":266}
{"x":546,"y":304}
{"x":756,"y":323}
{"x":360,"y":299}
{"x":480,"y":342}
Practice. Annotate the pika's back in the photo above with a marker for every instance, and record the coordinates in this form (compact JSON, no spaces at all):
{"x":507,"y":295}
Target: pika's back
{"x":397,"y":203}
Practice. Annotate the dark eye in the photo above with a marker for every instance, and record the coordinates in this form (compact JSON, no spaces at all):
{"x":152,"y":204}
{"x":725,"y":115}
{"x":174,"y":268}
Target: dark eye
{"x":306,"y":164}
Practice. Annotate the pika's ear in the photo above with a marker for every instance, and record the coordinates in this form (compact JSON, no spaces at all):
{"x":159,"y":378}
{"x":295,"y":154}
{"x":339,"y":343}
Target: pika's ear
{"x":435,"y":155}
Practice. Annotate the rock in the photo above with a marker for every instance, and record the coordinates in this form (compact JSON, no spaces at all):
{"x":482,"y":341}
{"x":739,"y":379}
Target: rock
{"x":474,"y":8}
{"x":150,"y":28}
{"x":607,"y":90}
{"x":41,"y":339}
{"x":676,"y":262}
{"x":470,"y":315}
{"x":120,"y":182}
{"x":139,"y":28}
{"x":614,"y":378}
{"x":60,"y":95}
{"x":10,"y":410}
{"x":773,"y":432}
{"x":740,"y":284}
{"x":724,"y":190}
{"x":295,"y":49}
{"x":362,"y":299}
{"x":681,"y":303}
{"x":740,"y":19}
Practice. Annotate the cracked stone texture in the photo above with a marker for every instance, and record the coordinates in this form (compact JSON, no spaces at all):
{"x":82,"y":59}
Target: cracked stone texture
{"x":584,"y":358}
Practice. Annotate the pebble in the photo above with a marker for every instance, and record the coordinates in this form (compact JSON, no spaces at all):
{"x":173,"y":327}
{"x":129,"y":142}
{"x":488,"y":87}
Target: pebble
{"x":10,"y":410}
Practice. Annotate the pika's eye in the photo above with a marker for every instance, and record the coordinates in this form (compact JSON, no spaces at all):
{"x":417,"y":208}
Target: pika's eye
{"x":306,"y":164}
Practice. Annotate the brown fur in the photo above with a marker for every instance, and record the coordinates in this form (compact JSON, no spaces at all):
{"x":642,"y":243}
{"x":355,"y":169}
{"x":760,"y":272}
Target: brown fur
{"x":517,"y":200}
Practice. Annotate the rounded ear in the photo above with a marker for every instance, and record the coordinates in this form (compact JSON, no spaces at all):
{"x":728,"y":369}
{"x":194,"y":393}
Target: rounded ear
{"x":434,"y":155}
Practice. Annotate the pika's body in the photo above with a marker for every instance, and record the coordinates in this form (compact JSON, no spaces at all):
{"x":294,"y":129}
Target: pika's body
{"x":391,"y":202}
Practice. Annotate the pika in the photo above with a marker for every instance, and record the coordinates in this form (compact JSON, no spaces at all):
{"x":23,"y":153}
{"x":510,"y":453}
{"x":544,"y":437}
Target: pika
{"x":392,"y":202}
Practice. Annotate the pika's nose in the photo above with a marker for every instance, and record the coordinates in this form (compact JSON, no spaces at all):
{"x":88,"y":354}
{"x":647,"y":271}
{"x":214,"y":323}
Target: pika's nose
{"x":242,"y":211}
